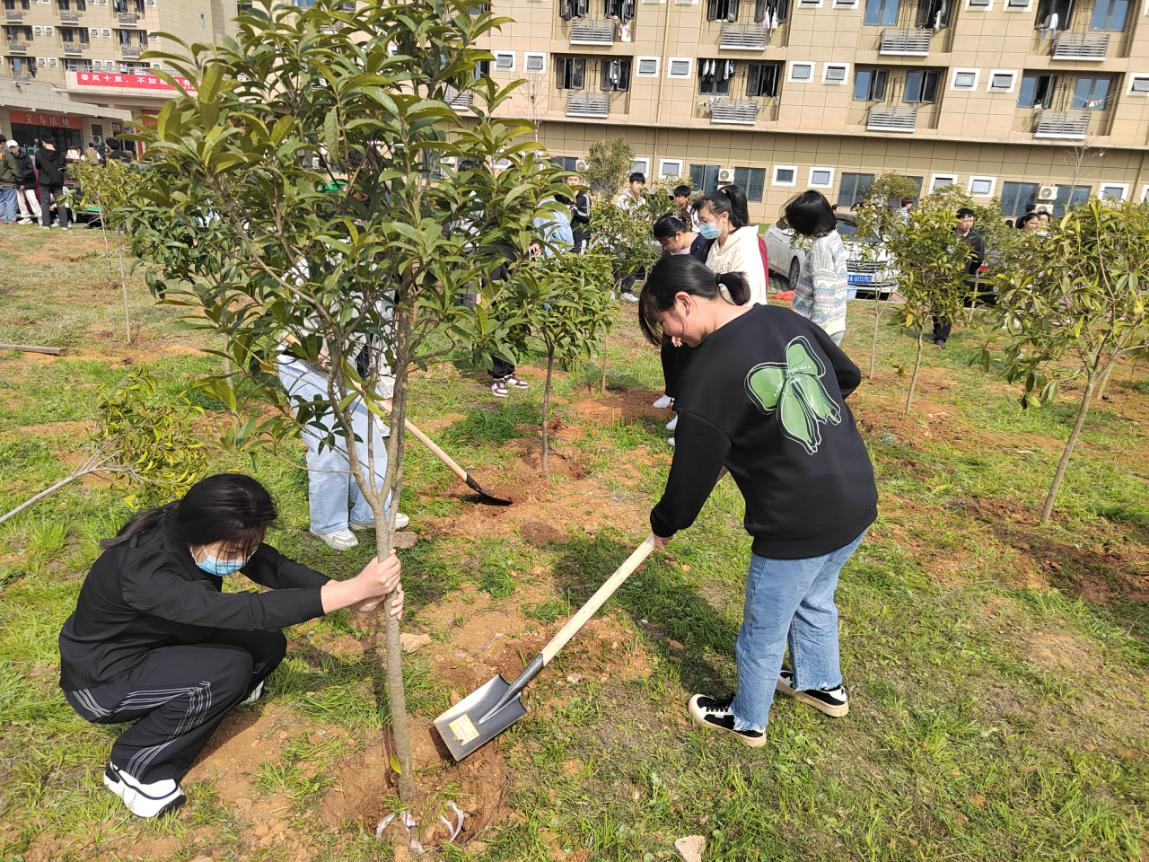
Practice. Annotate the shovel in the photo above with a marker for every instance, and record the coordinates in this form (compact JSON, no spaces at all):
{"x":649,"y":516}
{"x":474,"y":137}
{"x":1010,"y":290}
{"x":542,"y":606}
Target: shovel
{"x":488,"y":711}
{"x":484,"y":496}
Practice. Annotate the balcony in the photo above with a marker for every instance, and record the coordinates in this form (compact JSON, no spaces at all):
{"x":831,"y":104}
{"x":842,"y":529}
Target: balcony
{"x":733,"y":112}
{"x":743,"y":37}
{"x":18,"y":47}
{"x":1081,"y":46}
{"x":461,"y":102}
{"x":69,"y":16}
{"x":591,"y":105}
{"x":131,"y":52}
{"x":592,"y":31}
{"x":891,"y":118}
{"x":74,"y":49}
{"x":1062,"y":125}
{"x":13,"y":16}
{"x":905,"y":42}
{"x":127,"y":19}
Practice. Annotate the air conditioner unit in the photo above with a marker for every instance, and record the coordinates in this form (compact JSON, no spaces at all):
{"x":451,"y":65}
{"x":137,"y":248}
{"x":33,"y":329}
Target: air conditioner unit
{"x":94,"y":32}
{"x":726,"y":175}
{"x":41,"y":61}
{"x":580,"y":165}
{"x":1047,"y":193}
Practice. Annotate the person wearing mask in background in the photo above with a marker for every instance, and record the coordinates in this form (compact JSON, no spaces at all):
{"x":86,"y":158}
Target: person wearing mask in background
{"x":154,"y":641}
{"x":723,"y":218}
{"x":579,"y":214}
{"x":10,"y":172}
{"x":51,"y":167}
{"x":765,"y":400}
{"x":675,"y":237}
{"x":821,"y":291}
{"x":972,"y":247}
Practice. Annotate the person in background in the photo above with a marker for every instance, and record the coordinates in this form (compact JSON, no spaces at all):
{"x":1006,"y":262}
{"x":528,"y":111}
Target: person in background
{"x":633,"y":200}
{"x":723,"y":217}
{"x":1030,"y":223}
{"x":675,"y":237}
{"x":972,"y":247}
{"x":156,"y":643}
{"x":682,"y":204}
{"x":821,"y":291}
{"x":10,"y":173}
{"x":907,"y":205}
{"x":26,"y":201}
{"x":93,"y":155}
{"x":579,"y":214}
{"x":51,"y":167}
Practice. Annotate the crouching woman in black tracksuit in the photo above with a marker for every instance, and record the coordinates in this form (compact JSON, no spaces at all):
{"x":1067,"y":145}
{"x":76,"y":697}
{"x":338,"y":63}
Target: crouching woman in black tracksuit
{"x":155,"y":641}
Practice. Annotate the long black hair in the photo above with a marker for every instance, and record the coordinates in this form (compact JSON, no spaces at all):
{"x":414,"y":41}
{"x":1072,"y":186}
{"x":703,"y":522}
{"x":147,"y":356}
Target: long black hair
{"x":810,"y":214}
{"x":668,"y":226}
{"x":227,"y":507}
{"x":730,"y":200}
{"x":683,"y":273}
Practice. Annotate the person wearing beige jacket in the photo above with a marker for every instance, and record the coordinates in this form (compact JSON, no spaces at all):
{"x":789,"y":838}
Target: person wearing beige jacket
{"x":722,"y":217}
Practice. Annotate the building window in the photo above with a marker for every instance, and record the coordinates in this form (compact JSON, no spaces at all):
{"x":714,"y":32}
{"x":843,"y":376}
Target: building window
{"x":1016,"y":197}
{"x":704,"y":177}
{"x":835,"y":73}
{"x":1001,"y":81}
{"x":533,"y":62}
{"x":678,"y":67}
{"x":881,"y":13}
{"x":567,"y":163}
{"x":785,"y":175}
{"x":941,"y":181}
{"x":870,"y":84}
{"x":921,"y":86}
{"x":845,"y":4}
{"x":981,"y":187}
{"x":1145,"y":193}
{"x":722,"y":10}
{"x":854,"y":188}
{"x":1109,"y":15}
{"x":979,"y":5}
{"x":1017,"y":5}
{"x":964,"y":79}
{"x":669,"y":169}
{"x":715,"y":77}
{"x":647,"y":67}
{"x":1069,"y":197}
{"x":1090,"y":93}
{"x":640,"y":165}
{"x":615,"y":74}
{"x":801,"y":73}
{"x":504,"y":61}
{"x":1139,"y":85}
{"x":570,"y":73}
{"x":762,"y":79}
{"x":752,"y":181}
{"x":1036,"y":90}
{"x":821,"y":178}
{"x":1113,"y":191}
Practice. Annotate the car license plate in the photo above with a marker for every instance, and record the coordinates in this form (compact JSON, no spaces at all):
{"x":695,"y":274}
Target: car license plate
{"x":860,"y":278}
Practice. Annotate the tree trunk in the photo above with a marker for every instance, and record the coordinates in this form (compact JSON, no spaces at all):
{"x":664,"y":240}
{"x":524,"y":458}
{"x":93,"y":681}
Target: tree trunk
{"x":547,"y":409}
{"x":602,"y":377}
{"x":874,"y":343}
{"x":1082,"y":412}
{"x":914,"y":376}
{"x":1103,"y":382}
{"x":124,"y":287}
{"x":92,"y":465}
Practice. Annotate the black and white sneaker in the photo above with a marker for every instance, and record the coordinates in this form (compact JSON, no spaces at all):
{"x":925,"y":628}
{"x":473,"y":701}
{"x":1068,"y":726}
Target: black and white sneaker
{"x":832,"y":701}
{"x":144,"y":800}
{"x":716,"y":714}
{"x":516,"y":382}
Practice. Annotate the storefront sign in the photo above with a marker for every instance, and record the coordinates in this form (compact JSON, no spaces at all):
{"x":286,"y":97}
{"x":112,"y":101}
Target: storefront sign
{"x":130,"y":82}
{"x":49,"y":121}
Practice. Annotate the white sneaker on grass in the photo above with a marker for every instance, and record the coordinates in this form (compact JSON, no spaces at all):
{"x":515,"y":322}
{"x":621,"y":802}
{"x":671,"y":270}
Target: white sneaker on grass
{"x":663,"y":401}
{"x":143,"y":800}
{"x":670,"y":442}
{"x":673,"y":423}
{"x":256,"y":694}
{"x":834,"y":702}
{"x":401,"y":521}
{"x":340,"y":540}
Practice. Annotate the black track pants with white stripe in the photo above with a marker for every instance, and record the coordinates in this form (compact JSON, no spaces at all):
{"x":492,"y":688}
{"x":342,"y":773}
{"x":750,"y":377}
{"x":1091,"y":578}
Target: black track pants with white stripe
{"x":176,"y":698}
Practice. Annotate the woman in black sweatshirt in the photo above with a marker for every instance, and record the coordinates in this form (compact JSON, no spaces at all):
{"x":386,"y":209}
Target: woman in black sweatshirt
{"x":155,"y":641}
{"x":764,"y":397}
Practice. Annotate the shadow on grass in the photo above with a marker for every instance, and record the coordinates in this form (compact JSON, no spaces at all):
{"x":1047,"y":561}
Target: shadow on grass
{"x":660,"y":595}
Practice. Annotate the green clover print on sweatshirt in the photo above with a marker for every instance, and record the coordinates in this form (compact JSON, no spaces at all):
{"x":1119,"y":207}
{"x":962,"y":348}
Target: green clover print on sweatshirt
{"x":795,"y":390}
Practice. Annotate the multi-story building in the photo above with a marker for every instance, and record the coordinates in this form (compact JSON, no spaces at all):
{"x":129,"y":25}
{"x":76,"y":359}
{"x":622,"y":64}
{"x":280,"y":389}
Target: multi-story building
{"x":1031,"y":101}
{"x":72,"y":68}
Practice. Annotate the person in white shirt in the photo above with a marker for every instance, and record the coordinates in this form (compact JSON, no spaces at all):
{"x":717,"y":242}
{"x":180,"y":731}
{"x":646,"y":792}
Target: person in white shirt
{"x":633,"y":196}
{"x":723,"y":217}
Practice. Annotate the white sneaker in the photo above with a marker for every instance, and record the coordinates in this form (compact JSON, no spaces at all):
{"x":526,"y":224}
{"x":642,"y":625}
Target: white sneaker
{"x":673,"y":423}
{"x":670,"y":442}
{"x":144,"y":800}
{"x":663,"y":402}
{"x":629,"y":297}
{"x":401,"y":521}
{"x":340,"y":540}
{"x":256,"y":694}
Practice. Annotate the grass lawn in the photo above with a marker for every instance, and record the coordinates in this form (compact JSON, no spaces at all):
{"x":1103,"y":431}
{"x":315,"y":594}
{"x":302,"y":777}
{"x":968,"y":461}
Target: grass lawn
{"x":997,"y":670}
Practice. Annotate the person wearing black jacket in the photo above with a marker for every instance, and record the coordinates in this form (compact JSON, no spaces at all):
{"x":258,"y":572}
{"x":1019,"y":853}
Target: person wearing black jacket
{"x":580,"y":214}
{"x":50,"y":163}
{"x":26,"y":198}
{"x":154,"y":640}
{"x":971,"y":246}
{"x":763,"y":397}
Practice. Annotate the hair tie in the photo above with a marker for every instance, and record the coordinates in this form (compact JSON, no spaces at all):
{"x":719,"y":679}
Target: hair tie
{"x":718,"y":278}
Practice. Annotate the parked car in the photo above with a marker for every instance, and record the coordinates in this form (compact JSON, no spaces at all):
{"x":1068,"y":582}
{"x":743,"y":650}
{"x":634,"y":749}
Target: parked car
{"x":870,"y":271}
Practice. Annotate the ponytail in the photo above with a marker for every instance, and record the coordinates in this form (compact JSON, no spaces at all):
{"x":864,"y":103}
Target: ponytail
{"x":684,"y":274}
{"x":732,"y":201}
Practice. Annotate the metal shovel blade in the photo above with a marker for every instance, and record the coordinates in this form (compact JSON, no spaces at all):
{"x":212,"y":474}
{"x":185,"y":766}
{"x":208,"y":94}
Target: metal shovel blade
{"x":466,"y":726}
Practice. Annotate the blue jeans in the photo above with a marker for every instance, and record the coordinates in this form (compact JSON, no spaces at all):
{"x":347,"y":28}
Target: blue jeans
{"x":787,"y":602}
{"x":329,"y":478}
{"x":7,"y":204}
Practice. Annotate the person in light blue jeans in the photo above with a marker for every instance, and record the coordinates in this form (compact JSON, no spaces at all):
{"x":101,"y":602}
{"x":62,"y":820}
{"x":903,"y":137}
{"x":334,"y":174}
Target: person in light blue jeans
{"x":330,"y":483}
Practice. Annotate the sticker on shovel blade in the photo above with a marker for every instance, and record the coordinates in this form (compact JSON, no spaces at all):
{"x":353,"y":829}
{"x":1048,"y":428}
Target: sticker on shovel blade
{"x":464,"y":729}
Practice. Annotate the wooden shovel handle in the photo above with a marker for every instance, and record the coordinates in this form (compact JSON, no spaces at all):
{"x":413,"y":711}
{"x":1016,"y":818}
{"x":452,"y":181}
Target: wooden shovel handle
{"x":599,"y":598}
{"x":435,"y":450}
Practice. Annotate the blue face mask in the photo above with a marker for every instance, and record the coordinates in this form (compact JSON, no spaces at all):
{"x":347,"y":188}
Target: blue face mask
{"x":709,"y":230}
{"x":220,"y":568}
